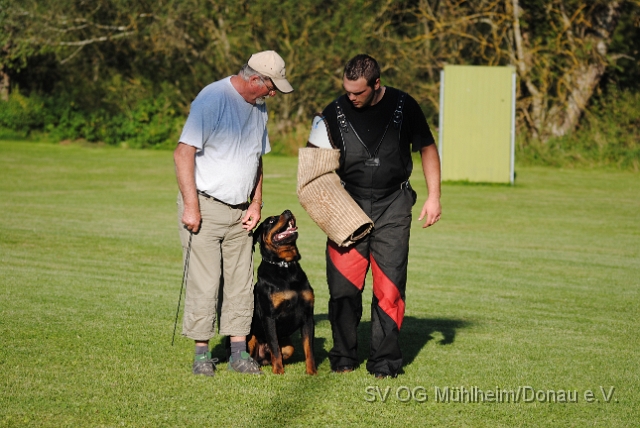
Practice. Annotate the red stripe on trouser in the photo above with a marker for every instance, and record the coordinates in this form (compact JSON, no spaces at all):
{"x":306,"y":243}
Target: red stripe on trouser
{"x":388,"y":295}
{"x":350,"y":263}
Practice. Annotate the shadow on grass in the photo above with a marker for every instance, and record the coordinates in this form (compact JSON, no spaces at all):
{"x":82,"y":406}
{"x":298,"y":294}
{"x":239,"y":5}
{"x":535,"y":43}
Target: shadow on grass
{"x":415,"y":334}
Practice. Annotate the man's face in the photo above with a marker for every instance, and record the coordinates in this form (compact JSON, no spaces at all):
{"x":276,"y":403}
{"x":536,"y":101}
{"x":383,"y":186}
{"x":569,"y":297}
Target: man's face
{"x":264,"y":88}
{"x":359,"y":93}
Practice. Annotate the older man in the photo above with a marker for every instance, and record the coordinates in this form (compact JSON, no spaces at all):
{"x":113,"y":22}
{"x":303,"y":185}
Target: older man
{"x":219,"y":170}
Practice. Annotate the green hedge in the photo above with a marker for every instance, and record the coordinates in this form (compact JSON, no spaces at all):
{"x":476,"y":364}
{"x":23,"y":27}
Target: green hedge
{"x":151,"y":122}
{"x":609,"y":136}
{"x":22,"y":114}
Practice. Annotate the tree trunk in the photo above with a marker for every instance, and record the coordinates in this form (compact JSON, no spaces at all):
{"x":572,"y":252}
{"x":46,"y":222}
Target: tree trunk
{"x":584,"y":81}
{"x":534,"y":111}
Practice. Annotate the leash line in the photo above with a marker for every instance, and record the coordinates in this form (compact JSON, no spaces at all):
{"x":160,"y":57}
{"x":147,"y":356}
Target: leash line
{"x":185,"y":276}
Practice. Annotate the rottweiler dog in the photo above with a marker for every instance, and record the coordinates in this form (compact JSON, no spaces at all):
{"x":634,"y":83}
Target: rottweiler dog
{"x":283,"y":296}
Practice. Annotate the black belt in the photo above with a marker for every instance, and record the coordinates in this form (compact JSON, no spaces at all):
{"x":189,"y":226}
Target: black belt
{"x":378,"y":192}
{"x":243,"y":206}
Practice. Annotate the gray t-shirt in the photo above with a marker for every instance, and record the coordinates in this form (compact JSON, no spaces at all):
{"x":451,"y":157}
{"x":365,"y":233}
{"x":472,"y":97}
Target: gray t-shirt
{"x":231,"y":136}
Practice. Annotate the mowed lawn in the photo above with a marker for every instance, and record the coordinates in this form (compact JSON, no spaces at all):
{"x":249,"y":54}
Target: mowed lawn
{"x":522,"y":304}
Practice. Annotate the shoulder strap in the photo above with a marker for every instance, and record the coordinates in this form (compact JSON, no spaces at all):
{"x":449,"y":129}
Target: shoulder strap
{"x":397,"y":115}
{"x":342,"y":119}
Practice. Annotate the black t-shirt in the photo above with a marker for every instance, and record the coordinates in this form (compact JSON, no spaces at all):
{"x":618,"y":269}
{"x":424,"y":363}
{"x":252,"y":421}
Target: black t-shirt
{"x":370,"y":122}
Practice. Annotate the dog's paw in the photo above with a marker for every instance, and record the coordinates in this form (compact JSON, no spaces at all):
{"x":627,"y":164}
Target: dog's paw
{"x":276,"y":369}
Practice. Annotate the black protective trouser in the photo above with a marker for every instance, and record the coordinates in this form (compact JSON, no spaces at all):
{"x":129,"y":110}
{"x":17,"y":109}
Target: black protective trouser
{"x":386,"y":250}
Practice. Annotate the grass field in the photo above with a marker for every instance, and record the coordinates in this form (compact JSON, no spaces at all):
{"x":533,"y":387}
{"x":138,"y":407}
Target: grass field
{"x":533,"y":288}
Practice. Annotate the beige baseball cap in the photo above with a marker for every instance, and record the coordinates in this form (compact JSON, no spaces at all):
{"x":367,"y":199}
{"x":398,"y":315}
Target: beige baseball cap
{"x":270,"y":64}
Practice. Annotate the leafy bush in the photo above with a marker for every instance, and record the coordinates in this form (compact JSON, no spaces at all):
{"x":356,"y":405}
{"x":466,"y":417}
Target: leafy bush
{"x":614,"y":125}
{"x":147,"y":120}
{"x":287,"y":142}
{"x":609,"y":136}
{"x":22,"y":114}
{"x":154,"y":122}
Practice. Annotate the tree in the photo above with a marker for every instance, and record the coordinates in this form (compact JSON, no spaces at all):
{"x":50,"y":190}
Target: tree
{"x":14,"y":49}
{"x":64,"y":29}
{"x":561,"y":72}
{"x":560,"y":49}
{"x":111,"y":54}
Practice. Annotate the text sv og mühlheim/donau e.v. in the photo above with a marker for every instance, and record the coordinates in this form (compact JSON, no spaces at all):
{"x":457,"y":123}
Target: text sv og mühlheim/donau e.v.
{"x":474,"y":394}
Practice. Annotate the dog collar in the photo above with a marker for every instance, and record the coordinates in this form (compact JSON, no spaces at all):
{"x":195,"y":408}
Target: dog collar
{"x":280,"y":264}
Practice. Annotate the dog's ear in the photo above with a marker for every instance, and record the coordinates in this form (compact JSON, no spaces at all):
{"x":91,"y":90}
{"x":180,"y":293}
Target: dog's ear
{"x":257,"y":234}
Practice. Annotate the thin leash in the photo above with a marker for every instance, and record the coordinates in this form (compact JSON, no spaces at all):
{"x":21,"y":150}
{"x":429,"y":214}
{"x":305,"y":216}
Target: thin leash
{"x":185,"y":277}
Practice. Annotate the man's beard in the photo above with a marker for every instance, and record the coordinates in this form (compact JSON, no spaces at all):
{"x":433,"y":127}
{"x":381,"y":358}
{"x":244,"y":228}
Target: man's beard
{"x":262,"y":100}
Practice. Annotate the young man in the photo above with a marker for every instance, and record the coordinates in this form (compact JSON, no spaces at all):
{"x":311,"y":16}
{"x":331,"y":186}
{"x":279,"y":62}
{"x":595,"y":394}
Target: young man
{"x":219,"y":171}
{"x":376,"y":127}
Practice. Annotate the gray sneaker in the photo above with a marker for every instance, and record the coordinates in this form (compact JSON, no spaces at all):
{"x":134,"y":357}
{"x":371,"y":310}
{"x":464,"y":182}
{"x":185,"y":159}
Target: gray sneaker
{"x":244,"y":364}
{"x":203,"y":364}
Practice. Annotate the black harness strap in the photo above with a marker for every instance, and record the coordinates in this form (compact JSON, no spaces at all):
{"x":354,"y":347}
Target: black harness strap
{"x":344,"y":125}
{"x":342,"y":119}
{"x":397,"y":115}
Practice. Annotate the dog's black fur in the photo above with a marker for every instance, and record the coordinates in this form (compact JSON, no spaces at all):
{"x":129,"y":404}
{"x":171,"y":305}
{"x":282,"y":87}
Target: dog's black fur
{"x":283,"y":296}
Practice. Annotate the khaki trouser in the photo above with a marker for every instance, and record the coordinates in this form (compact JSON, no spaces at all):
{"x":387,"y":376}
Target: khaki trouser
{"x":221,"y":254}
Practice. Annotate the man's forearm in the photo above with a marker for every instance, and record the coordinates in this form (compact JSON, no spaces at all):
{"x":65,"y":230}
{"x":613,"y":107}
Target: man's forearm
{"x":431,"y":169}
{"x":253,"y":215}
{"x":184,"y":158}
{"x":256,"y":194}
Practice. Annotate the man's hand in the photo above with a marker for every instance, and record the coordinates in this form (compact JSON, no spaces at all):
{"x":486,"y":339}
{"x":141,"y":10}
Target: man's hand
{"x":431,"y":170}
{"x":252,"y":217}
{"x":432,"y":210}
{"x":191,"y":218}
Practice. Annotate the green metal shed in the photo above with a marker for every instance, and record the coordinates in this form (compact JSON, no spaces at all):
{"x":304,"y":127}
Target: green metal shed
{"x":477,"y":123}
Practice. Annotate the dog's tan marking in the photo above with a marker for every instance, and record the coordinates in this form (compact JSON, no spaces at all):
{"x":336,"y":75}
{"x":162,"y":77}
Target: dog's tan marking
{"x":252,"y":346}
{"x":287,"y":253}
{"x":280,"y":296}
{"x":268,"y":243}
{"x":309,"y":359}
{"x":286,"y":347}
{"x":277,"y":367}
{"x":267,"y":237}
{"x":307,"y":296}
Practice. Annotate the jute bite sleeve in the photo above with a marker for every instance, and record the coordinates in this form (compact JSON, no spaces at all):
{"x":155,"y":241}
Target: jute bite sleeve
{"x":325,"y":200}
